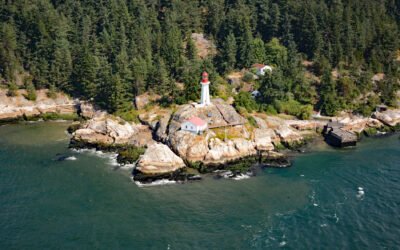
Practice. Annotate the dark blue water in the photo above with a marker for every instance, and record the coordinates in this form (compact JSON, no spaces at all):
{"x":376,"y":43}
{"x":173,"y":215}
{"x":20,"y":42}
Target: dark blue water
{"x":86,"y":204}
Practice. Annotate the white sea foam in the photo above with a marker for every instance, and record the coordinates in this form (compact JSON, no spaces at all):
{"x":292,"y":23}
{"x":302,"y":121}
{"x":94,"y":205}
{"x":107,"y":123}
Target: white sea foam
{"x":360,"y":193}
{"x":127,"y":166}
{"x":241,"y":177}
{"x":282,"y":244}
{"x":154,"y":183}
{"x":112,"y":157}
{"x":71,"y":158}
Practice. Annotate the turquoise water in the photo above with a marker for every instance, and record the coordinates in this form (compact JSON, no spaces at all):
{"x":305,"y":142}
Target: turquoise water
{"x":87,"y":203}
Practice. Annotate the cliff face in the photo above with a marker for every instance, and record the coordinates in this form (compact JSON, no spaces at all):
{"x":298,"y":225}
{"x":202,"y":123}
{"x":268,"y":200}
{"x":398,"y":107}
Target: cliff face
{"x":18,"y":106}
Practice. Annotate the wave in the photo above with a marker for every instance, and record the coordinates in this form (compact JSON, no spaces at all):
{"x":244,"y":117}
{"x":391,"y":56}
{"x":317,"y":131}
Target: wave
{"x":111,"y":156}
{"x":154,"y":183}
{"x":71,"y":158}
{"x":241,"y":177}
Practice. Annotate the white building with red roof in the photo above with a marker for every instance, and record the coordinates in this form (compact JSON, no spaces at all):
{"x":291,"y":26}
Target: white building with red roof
{"x":194,"y":125}
{"x":261,"y":68}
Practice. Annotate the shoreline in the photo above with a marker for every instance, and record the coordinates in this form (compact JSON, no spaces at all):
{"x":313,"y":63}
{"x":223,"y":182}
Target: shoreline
{"x":217,"y":171}
{"x":157,"y":147}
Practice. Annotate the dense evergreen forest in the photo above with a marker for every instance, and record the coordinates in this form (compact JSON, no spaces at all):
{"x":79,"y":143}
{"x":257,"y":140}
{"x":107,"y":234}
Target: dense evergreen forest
{"x":110,"y":51}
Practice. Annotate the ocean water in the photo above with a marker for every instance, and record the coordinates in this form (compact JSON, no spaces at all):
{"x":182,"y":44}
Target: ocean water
{"x":329,"y":199}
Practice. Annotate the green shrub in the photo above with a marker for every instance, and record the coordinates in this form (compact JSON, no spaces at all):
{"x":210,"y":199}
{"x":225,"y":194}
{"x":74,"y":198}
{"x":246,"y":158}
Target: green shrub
{"x":30,"y":92}
{"x":52,"y":93}
{"x":130,"y":154}
{"x":245,"y":100}
{"x":56,"y":116}
{"x":293,"y":107}
{"x":268,"y":109}
{"x":248,"y":77}
{"x":130,"y":116}
{"x":12,"y":89}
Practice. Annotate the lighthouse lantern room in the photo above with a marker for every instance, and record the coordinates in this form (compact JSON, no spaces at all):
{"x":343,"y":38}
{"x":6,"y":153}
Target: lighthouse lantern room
{"x":205,"y":90}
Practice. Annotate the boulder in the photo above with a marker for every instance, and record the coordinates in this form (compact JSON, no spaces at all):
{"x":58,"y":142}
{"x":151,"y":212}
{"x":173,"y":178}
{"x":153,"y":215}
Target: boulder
{"x":159,"y":159}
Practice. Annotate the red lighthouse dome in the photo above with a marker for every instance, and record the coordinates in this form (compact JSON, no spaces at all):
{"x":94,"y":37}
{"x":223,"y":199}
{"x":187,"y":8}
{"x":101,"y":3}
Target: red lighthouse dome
{"x":204,"y":77}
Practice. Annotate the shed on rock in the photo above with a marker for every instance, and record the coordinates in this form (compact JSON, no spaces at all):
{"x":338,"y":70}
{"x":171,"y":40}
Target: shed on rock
{"x":338,"y":137}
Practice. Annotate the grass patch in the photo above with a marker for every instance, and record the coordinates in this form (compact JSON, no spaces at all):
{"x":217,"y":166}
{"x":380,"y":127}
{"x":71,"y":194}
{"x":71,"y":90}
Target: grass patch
{"x":130,"y":116}
{"x":56,"y":116}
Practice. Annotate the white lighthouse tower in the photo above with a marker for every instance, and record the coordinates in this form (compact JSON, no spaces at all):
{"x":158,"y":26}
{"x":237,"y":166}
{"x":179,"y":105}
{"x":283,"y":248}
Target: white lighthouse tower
{"x":205,"y":90}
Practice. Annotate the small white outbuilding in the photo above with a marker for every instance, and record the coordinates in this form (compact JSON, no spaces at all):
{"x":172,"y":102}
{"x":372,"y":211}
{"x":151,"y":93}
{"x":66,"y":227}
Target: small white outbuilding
{"x":261,"y":68}
{"x":194,"y":125}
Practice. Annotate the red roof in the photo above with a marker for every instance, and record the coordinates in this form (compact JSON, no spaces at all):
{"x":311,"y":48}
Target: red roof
{"x":204,"y":77}
{"x":258,"y":65}
{"x":197,"y":121}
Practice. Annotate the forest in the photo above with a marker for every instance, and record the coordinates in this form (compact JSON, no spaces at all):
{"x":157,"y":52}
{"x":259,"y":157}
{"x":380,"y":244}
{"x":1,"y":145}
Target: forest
{"x":110,"y":51}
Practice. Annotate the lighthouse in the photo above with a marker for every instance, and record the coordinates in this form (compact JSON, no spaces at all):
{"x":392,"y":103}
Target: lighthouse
{"x":205,"y":90}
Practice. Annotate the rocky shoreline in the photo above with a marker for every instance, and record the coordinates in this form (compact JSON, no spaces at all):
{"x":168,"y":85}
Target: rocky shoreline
{"x":157,"y":149}
{"x":18,"y":108}
{"x":176,"y":155}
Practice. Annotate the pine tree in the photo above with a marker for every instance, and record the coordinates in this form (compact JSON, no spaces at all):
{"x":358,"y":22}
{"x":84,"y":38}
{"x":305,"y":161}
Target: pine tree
{"x":8,"y":46}
{"x":245,"y":50}
{"x":257,"y":53}
{"x":85,"y":74}
{"x":191,"y":50}
{"x":229,"y":52}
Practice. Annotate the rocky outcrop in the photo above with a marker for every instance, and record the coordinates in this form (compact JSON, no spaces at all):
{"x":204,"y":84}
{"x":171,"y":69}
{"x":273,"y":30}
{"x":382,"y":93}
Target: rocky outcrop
{"x":189,"y":146}
{"x":261,"y":123}
{"x":162,"y":126}
{"x":159,"y":159}
{"x":306,"y":124}
{"x":389,"y":117}
{"x":263,"y":139}
{"x":216,"y":115}
{"x":107,"y":130}
{"x":141,"y":101}
{"x":88,"y":111}
{"x":221,"y":152}
{"x":18,"y":106}
{"x":287,"y":135}
{"x":359,"y":124}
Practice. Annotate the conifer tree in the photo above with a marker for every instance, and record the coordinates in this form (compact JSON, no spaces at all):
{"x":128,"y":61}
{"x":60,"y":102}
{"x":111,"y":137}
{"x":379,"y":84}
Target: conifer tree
{"x":229,"y":52}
